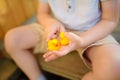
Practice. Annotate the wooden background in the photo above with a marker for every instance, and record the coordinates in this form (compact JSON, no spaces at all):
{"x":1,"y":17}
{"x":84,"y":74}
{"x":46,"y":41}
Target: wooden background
{"x":15,"y":12}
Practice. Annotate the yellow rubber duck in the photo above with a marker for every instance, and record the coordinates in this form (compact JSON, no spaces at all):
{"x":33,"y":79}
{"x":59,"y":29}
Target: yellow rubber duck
{"x":63,"y":39}
{"x":54,"y":44}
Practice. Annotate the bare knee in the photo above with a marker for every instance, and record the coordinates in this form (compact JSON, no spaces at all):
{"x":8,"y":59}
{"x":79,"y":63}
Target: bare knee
{"x":105,"y":61}
{"x":109,"y":69}
{"x":11,"y":40}
{"x":20,"y":38}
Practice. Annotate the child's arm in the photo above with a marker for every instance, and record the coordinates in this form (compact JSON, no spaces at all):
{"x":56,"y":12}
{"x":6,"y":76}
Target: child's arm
{"x":73,"y":42}
{"x":52,"y":26}
{"x":107,"y":24}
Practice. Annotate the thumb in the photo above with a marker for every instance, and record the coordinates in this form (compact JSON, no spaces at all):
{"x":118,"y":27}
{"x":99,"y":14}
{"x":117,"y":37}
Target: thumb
{"x":69,"y":35}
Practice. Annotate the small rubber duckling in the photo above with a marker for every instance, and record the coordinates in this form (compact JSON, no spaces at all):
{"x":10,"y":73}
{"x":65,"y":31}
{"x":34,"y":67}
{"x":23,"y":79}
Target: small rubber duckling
{"x":54,"y":44}
{"x":63,"y":39}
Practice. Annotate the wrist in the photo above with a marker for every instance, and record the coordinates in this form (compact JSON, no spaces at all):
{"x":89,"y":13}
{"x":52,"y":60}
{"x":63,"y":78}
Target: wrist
{"x":82,"y":43}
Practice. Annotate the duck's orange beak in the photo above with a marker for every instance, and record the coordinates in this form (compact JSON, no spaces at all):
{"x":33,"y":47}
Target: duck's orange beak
{"x":54,"y":44}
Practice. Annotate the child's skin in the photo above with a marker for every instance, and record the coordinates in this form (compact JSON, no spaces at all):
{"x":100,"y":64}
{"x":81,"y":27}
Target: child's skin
{"x":107,"y":54}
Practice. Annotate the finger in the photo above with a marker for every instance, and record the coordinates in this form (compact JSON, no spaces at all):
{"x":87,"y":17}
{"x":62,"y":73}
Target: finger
{"x":72,"y":37}
{"x":51,"y":57}
{"x":57,"y":53}
{"x":51,"y":34}
{"x":54,"y":36}
{"x":47,"y":54}
{"x":69,"y":35}
{"x":61,"y":53}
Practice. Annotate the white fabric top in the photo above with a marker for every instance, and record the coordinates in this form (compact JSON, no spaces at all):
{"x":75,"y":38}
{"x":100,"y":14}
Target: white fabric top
{"x":76,"y":14}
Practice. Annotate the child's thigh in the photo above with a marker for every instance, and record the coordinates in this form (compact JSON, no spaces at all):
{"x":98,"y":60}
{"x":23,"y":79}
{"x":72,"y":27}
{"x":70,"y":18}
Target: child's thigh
{"x":104,"y":58}
{"x":22,"y":37}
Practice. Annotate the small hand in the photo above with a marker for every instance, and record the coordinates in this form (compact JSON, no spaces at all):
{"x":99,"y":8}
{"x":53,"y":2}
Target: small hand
{"x":52,"y":55}
{"x":75,"y":42}
{"x":54,"y":30}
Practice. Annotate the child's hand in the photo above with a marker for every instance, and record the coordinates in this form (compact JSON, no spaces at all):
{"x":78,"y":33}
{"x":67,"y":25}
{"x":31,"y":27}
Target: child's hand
{"x":75,"y":43}
{"x":53,"y":30}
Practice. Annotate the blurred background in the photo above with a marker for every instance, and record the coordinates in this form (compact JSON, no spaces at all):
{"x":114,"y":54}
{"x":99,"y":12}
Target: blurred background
{"x":14,"y":13}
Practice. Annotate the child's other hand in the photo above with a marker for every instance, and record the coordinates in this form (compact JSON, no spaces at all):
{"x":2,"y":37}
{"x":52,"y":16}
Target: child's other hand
{"x":53,"y":30}
{"x":75,"y":43}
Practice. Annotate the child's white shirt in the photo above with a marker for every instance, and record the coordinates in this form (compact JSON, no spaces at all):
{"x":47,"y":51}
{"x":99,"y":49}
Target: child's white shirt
{"x":76,"y":14}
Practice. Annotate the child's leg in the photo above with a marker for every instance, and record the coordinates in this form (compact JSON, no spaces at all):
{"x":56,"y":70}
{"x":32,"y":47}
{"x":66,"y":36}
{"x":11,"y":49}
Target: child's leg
{"x":18,"y":41}
{"x":105,"y":61}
